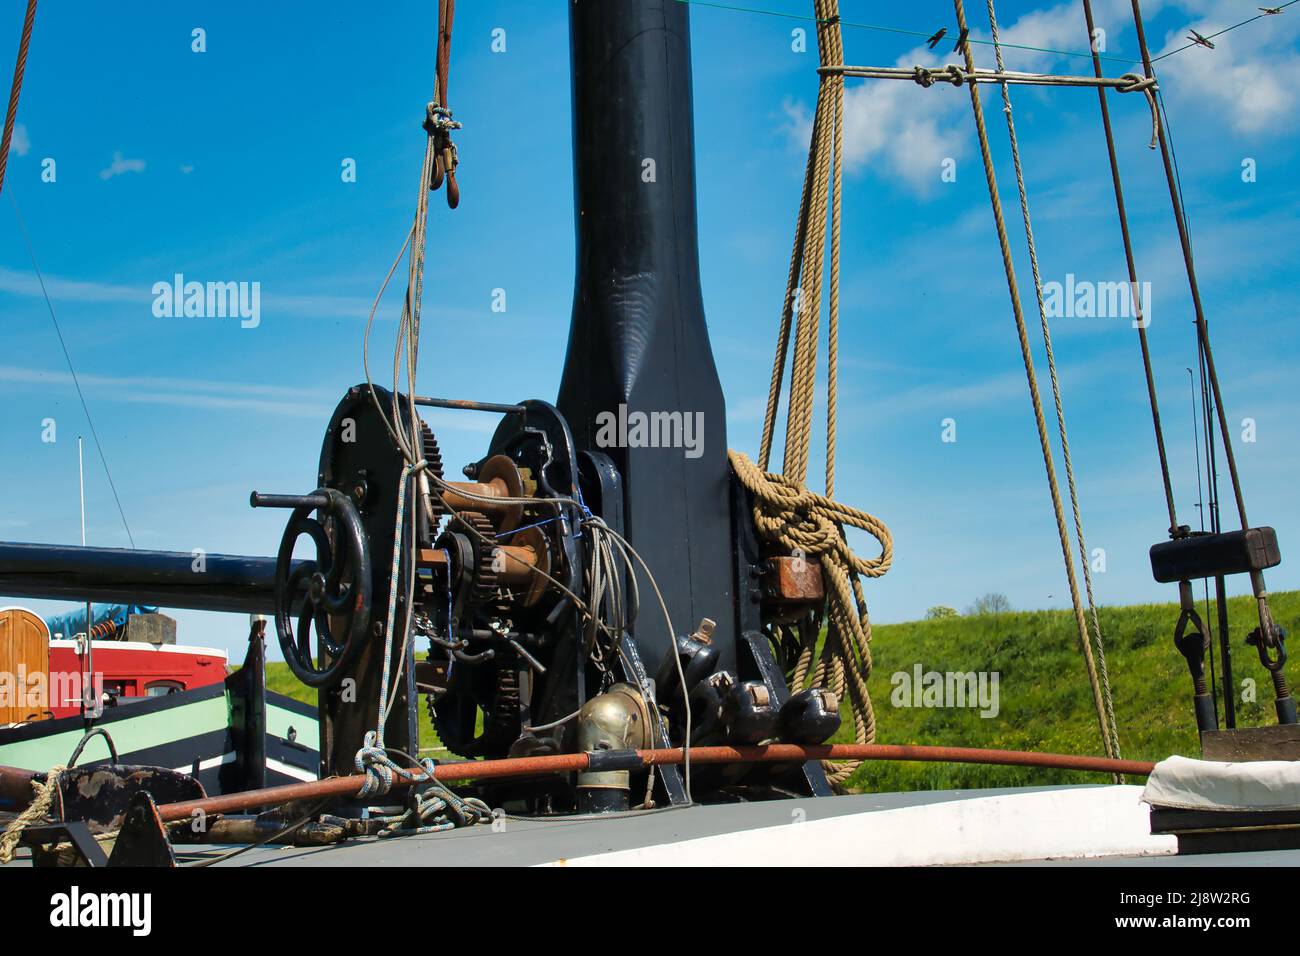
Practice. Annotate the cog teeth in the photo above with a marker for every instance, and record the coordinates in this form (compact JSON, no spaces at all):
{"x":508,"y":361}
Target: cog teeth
{"x":433,"y":458}
{"x":485,"y":574}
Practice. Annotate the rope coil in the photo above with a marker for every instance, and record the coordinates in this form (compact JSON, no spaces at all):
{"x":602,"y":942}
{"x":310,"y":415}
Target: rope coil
{"x":786,"y":513}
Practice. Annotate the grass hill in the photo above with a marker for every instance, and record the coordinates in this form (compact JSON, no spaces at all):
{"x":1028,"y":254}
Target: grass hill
{"x":1046,"y":702}
{"x":1044,"y":699}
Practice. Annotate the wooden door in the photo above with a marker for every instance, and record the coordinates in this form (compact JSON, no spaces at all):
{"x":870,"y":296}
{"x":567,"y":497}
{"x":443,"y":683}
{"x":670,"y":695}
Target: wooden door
{"x":24,"y":653}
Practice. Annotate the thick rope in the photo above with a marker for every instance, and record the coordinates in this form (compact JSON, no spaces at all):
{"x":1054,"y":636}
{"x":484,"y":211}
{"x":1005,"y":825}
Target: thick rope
{"x":1035,"y":398}
{"x":786,"y":513}
{"x":35,"y":812}
{"x":1138,"y":305}
{"x":20,"y":65}
{"x":1108,"y":720}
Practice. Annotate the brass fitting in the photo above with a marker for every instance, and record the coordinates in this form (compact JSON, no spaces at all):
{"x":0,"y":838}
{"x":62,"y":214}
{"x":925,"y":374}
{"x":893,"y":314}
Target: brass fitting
{"x":615,"y":720}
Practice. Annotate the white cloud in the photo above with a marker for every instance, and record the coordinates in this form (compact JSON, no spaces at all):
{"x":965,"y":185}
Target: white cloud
{"x":20,"y":144}
{"x":1249,"y":79}
{"x":1250,"y":82}
{"x":894,"y":126}
{"x":120,"y":166}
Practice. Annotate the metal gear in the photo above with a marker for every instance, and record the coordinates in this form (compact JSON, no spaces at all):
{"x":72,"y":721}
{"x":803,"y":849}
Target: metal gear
{"x":485,"y":584}
{"x":432,"y":455}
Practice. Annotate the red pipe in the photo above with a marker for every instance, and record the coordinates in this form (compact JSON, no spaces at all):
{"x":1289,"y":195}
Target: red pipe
{"x":563,"y":763}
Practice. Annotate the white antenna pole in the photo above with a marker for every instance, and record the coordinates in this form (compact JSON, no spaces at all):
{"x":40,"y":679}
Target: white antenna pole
{"x":81,"y":480}
{"x":89,"y":705}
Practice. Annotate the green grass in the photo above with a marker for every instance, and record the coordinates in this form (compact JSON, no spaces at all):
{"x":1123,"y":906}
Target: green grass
{"x":1045,"y":700}
{"x":281,"y":680}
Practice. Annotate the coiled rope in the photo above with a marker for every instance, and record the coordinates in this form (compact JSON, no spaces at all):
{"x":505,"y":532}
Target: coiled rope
{"x":785,"y":511}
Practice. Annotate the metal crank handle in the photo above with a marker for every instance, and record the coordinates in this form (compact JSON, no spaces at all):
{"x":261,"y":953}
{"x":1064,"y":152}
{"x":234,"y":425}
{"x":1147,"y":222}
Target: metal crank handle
{"x":259,"y":500}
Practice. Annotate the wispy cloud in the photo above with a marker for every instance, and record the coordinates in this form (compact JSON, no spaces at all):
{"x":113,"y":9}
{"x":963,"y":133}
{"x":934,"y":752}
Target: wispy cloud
{"x":20,"y":144}
{"x":285,"y":401}
{"x":64,"y":289}
{"x":121,"y":165}
{"x":316,"y":306}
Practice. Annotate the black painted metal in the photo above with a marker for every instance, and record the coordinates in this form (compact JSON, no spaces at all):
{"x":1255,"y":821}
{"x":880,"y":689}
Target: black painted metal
{"x":603,"y":490}
{"x":174,"y":579}
{"x":638,"y":337}
{"x":247,"y":690}
{"x":358,"y":458}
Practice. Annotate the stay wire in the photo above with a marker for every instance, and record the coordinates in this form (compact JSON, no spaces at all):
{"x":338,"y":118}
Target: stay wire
{"x":67,"y":357}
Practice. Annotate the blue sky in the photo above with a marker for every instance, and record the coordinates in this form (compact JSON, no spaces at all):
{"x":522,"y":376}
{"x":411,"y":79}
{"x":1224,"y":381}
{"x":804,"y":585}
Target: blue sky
{"x":225,"y":165}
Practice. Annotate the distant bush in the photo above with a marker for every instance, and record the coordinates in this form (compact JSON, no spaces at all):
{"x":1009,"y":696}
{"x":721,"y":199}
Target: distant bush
{"x":991,"y":603}
{"x":940,"y":611}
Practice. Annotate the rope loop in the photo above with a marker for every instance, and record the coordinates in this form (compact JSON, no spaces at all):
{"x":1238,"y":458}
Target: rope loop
{"x":1146,"y":85}
{"x":789,"y":514}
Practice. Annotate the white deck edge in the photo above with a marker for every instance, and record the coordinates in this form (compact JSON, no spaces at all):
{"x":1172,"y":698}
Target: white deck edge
{"x":1072,"y":823}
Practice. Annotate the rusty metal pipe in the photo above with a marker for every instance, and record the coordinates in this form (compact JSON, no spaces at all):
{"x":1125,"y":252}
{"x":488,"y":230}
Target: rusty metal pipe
{"x":496,"y":488}
{"x":468,"y":405}
{"x":565,"y":763}
{"x":516,"y":566}
{"x":16,"y":787}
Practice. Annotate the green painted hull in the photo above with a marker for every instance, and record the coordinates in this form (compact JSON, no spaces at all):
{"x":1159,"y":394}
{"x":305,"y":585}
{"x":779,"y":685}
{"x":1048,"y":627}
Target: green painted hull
{"x":191,"y":731}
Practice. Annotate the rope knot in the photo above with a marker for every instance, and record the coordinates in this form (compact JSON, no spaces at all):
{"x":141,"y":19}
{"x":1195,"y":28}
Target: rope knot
{"x":373,"y":761}
{"x":36,"y":810}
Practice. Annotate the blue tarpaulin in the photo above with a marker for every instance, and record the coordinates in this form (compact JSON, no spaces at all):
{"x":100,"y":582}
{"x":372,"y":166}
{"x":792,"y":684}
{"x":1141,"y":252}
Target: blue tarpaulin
{"x":74,"y":622}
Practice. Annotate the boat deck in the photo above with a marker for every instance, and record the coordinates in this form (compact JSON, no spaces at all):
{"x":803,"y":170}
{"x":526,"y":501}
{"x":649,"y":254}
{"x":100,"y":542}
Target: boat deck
{"x":1066,"y":825}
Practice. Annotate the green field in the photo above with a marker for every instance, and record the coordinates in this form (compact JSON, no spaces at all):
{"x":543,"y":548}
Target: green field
{"x":1044,"y":699}
{"x":1046,"y":702}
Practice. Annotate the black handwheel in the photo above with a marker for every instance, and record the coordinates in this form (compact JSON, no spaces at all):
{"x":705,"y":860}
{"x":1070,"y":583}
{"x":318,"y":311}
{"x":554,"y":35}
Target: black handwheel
{"x":336,"y":589}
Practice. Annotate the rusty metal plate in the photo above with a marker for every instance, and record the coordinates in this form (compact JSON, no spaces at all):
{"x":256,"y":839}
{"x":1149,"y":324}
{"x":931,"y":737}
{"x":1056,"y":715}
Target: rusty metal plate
{"x":101,"y":795}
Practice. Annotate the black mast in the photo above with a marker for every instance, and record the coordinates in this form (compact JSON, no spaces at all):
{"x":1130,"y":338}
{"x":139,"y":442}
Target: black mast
{"x":638,"y":337}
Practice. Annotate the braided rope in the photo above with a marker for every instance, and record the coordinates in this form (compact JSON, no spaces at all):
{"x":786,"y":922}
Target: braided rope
{"x":20,"y":65}
{"x":35,"y":812}
{"x":1106,"y":719}
{"x":1035,"y":398}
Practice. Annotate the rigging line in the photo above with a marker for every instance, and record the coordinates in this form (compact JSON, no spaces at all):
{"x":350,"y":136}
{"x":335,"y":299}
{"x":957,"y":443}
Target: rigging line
{"x":20,"y":65}
{"x":924,"y":34}
{"x":1185,"y":240}
{"x":1108,"y":722}
{"x":1220,"y":593}
{"x":1040,"y":420}
{"x":1134,"y":288}
{"x":1173,"y":154}
{"x":1200,"y":507}
{"x":1259,"y":16}
{"x":94,"y":433}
